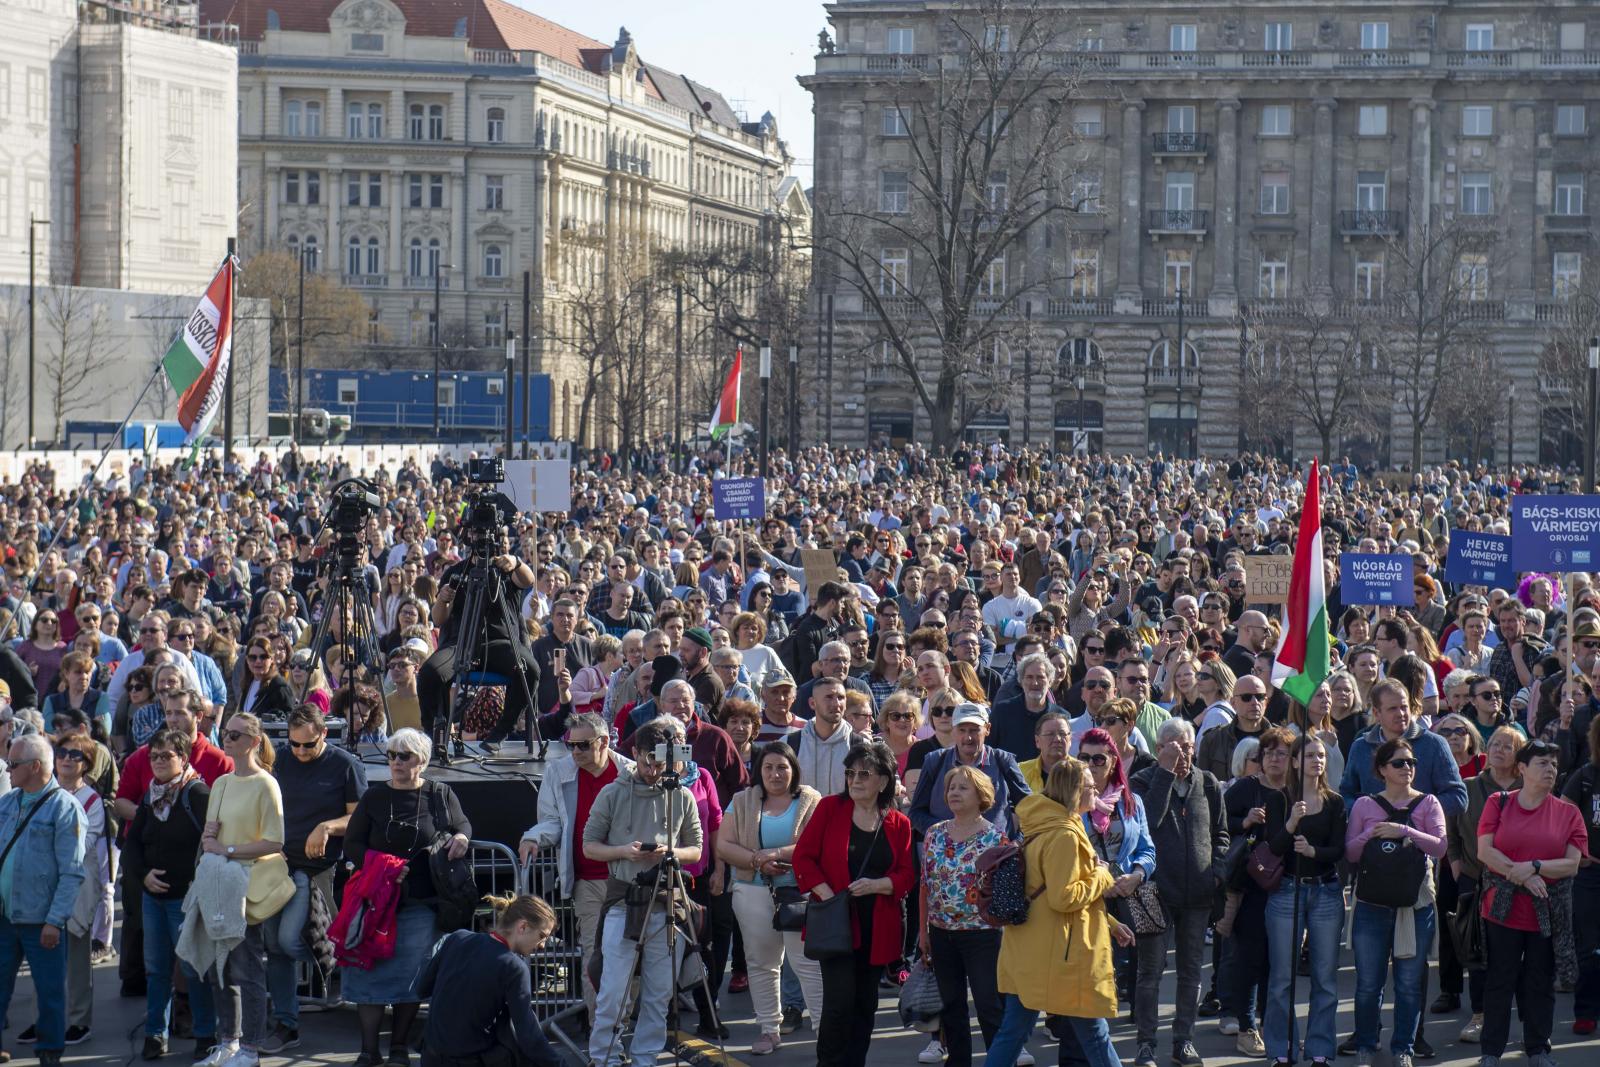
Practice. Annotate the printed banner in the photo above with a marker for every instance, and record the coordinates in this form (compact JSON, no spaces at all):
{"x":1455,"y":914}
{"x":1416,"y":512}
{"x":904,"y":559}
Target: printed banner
{"x":1555,"y":533}
{"x":738,"y":498}
{"x":1370,"y":579}
{"x":1479,"y":559}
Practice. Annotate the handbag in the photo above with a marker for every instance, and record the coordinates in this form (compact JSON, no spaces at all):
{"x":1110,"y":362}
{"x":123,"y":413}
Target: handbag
{"x":1265,"y":867}
{"x":788,"y":903}
{"x":1466,"y":930}
{"x":1142,"y":909}
{"x":921,"y":1004}
{"x":830,"y":933}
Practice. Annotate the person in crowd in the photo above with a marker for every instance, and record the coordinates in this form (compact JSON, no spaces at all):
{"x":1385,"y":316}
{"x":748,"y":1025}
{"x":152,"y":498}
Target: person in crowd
{"x":1120,"y":833}
{"x":1014,"y":721}
{"x":749,"y":633}
{"x":73,"y":755}
{"x":1434,"y":771}
{"x":1059,"y":960}
{"x":487,"y":982}
{"x":1488,"y":710}
{"x":266,"y":693}
{"x":971,"y":749}
{"x":757,"y":841}
{"x":244,"y":824}
{"x":941,"y":704}
{"x":1133,"y":683}
{"x":1582,"y":789}
{"x":823,"y":742}
{"x":1188,"y":825}
{"x":857,"y":844}
{"x":742,"y":721}
{"x":1215,"y":753}
{"x":1308,"y":906}
{"x":400,"y":694}
{"x":1465,"y":868}
{"x":1316,"y":718}
{"x":1052,"y":737}
{"x":962,"y":948}
{"x":43,"y":649}
{"x":40,"y":877}
{"x":858,"y":713}
{"x":320,"y":785}
{"x":1116,"y":717}
{"x":401,"y":817}
{"x":77,"y":670}
{"x":627,"y":815}
{"x":307,"y":682}
{"x":890,"y":666}
{"x":1531,"y":841}
{"x":899,"y":719}
{"x":778,"y":719}
{"x":159,"y":852}
{"x":1399,"y":813}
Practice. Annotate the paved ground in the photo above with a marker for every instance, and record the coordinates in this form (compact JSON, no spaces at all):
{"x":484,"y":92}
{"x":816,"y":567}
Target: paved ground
{"x":330,"y":1037}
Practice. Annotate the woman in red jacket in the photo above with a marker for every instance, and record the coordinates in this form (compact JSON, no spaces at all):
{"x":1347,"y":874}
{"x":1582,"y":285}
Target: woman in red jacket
{"x":856,"y":843}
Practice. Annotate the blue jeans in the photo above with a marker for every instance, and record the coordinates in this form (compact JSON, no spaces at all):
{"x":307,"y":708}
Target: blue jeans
{"x":1094,"y":1036}
{"x":285,"y":948}
{"x":790,"y":994}
{"x":19,"y":941}
{"x":1372,"y":932}
{"x":1321,"y":919}
{"x":163,"y":919}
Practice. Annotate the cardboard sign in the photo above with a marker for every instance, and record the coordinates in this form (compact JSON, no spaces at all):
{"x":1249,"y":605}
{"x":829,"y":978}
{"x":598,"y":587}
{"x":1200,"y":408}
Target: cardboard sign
{"x":821,"y":566}
{"x":738,"y":498}
{"x":539,"y":485}
{"x":1266,"y":579}
{"x":1555,"y":533}
{"x":1479,"y":559}
{"x":1369,"y":579}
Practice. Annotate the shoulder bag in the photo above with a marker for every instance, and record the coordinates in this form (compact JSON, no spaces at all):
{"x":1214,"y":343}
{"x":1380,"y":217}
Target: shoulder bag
{"x":1265,"y":866}
{"x":788,"y":903}
{"x":829,"y":931}
{"x":1140,"y":910}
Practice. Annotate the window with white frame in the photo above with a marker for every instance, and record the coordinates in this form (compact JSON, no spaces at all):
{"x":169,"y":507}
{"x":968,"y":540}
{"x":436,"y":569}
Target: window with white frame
{"x":1572,"y":36}
{"x":313,"y":118}
{"x":1472,"y":276}
{"x":312,"y":252}
{"x":1374,"y":36}
{"x":416,"y":121}
{"x":997,"y":38}
{"x":294,"y":118}
{"x":1477,"y":193}
{"x":1566,"y":274}
{"x":1477,"y":120}
{"x":1180,"y":191}
{"x":1372,"y":190}
{"x":374,"y":188}
{"x":900,"y":40}
{"x":1278,"y":37}
{"x":352,"y":256}
{"x":435,"y":122}
{"x":1277,"y":120}
{"x":413,"y":190}
{"x":1275,"y":192}
{"x":1569,"y":193}
{"x":1571,"y":120}
{"x":1181,"y":118}
{"x":416,"y":263}
{"x":352,"y":190}
{"x":1369,"y":279}
{"x":436,"y":190}
{"x":291,"y":187}
{"x":1480,"y":37}
{"x":894,"y":192}
{"x":494,"y":125}
{"x":1086,"y":191}
{"x":375,"y":121}
{"x":1182,"y":37}
{"x":894,"y":271}
{"x":494,"y":192}
{"x":1085,"y":283}
{"x":355,"y":120}
{"x":897,"y":120}
{"x":1373,"y":120}
{"x":998,"y":193}
{"x":374,"y":256}
{"x":494,"y":329}
{"x":1177,"y":273}
{"x":1272,"y":280}
{"x":993,"y":282}
{"x":313,"y":187}
{"x":1089,"y":120}
{"x":435,"y":256}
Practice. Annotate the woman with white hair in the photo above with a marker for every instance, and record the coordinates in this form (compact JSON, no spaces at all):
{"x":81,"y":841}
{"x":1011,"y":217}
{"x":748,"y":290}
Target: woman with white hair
{"x":401,"y":817}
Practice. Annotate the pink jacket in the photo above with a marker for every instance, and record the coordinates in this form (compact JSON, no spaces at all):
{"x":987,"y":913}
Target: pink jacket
{"x":364,"y":932}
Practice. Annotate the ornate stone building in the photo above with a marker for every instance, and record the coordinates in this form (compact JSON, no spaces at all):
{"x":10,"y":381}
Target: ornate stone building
{"x":471,"y":141}
{"x":1244,"y":155}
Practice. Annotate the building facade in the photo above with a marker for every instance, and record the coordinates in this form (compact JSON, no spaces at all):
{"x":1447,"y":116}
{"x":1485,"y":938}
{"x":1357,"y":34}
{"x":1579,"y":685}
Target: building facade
{"x":1246,"y":156}
{"x":431,"y":153}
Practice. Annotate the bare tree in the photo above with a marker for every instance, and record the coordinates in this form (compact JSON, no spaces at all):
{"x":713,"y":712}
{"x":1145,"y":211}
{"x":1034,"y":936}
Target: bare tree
{"x":75,"y":354}
{"x":1468,"y":419}
{"x":335,"y":318}
{"x":1315,"y":362}
{"x":988,"y":132}
{"x":1436,"y":313}
{"x":13,"y":360}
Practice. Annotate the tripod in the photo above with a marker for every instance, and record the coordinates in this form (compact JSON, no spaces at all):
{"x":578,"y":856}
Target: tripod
{"x":485,"y":588}
{"x":669,"y":878}
{"x":357,"y":641}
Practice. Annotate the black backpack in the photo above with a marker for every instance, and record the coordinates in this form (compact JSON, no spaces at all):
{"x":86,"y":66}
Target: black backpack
{"x":1392,"y":869}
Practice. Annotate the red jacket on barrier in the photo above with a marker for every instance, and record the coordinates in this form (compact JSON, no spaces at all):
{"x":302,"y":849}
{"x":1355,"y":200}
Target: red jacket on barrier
{"x":364,"y":932}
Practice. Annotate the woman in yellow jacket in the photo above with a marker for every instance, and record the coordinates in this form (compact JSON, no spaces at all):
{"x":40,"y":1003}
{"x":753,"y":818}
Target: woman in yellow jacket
{"x":1059,"y":961}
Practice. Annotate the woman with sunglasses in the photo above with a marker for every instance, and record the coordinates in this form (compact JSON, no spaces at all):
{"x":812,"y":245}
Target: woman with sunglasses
{"x":941,"y":705}
{"x":306,"y":677}
{"x":401,"y":817}
{"x":91,"y":914}
{"x":1116,"y":717}
{"x":244,"y":824}
{"x":1402,"y":934}
{"x":43,"y":649}
{"x":1499,"y":775}
{"x":890,"y":666}
{"x":266,"y":694}
{"x":159,"y":854}
{"x":899,"y":718}
{"x":1530,"y":841}
{"x":1213,"y":682}
{"x":1120,"y":833}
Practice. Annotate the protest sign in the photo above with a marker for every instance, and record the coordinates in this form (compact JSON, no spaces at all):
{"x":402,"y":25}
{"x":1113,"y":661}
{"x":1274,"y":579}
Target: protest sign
{"x":1555,"y":533}
{"x":821,"y":566}
{"x":738,"y":498}
{"x":1369,"y":579}
{"x":1266,"y":579}
{"x":1479,"y":559}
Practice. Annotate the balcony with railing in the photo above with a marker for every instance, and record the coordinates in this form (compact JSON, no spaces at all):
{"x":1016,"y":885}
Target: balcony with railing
{"x":1077,"y":308}
{"x":1276,"y":59}
{"x":897,"y":63}
{"x":1488,"y":58}
{"x":1181,"y":143}
{"x":1567,"y":224}
{"x":1552,"y":311}
{"x":1483,"y":310}
{"x":1182,"y":221}
{"x":1375,"y":58}
{"x":425,"y":281}
{"x":1185,"y":60}
{"x":1365,"y":222}
{"x":1092,"y":375}
{"x":1167,"y":308}
{"x":1579,"y":58}
{"x":366,"y":281}
{"x":1158,"y":376}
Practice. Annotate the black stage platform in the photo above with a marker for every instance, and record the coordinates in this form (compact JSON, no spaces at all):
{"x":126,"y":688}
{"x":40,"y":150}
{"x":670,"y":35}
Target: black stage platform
{"x":500,"y":798}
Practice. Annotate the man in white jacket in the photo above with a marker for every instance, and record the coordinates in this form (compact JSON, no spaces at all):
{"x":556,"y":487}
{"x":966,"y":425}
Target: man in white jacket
{"x":565,"y":796}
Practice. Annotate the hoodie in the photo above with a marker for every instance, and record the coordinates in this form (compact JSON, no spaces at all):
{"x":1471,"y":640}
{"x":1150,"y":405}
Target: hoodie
{"x":822,"y":759}
{"x":1437,"y":772}
{"x":629,"y":810}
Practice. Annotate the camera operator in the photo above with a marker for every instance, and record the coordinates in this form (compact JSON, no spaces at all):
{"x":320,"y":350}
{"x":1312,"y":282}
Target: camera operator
{"x":635,"y":822}
{"x":505,"y":652}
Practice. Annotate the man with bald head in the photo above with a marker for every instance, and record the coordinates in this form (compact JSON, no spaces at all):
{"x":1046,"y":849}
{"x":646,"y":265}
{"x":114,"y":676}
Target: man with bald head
{"x":1253,"y":634}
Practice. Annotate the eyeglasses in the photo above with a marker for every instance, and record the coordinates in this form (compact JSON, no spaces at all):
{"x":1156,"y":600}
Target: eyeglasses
{"x":1108,"y":721}
{"x":72,"y":754}
{"x":304,"y":746}
{"x":895,"y":646}
{"x":399,"y":757}
{"x":1453,"y":731}
{"x":1401,"y":763}
{"x":1251,"y":697}
{"x":1096,"y":683}
{"x":1094,"y":650}
{"x":151,"y":630}
{"x":860,"y":774}
{"x":1099,"y":759}
{"x":234,"y":735}
{"x":164,"y":757}
{"x":901,"y":716}
{"x":258,"y":657}
{"x":942,"y":712}
{"x":186,"y":636}
{"x":138,"y":687}
{"x":1588,"y":644}
{"x":1480,"y":694}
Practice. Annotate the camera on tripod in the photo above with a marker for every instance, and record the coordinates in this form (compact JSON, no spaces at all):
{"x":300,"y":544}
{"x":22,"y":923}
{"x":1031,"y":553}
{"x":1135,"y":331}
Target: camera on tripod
{"x":353,"y":501}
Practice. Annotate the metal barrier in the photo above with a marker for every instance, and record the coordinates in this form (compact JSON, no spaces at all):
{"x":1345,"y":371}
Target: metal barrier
{"x":558,"y":966}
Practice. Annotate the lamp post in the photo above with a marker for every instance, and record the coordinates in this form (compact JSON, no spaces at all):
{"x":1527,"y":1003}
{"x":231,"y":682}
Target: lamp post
{"x":1183,"y":434}
{"x":677,"y":377}
{"x":32,"y":303}
{"x":511,"y":376}
{"x":1511,"y":409}
{"x":299,"y":347}
{"x":438,"y":338}
{"x":1080,"y":383}
{"x":1244,"y":363}
{"x":1594,"y":414}
{"x":794,"y":401}
{"x":766,"y":403}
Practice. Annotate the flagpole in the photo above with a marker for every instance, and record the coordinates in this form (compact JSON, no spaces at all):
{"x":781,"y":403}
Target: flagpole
{"x":227,"y":402}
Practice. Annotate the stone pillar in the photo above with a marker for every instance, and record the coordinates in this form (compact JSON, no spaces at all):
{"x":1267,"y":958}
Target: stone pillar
{"x":1224,"y":287}
{"x":1521,"y":211}
{"x":456,"y":249}
{"x":1322,"y":160}
{"x":1130,"y":283}
{"x":1419,"y":179}
{"x":333,"y":119}
{"x":271,"y":190}
{"x":397,"y":250}
{"x":335,"y":249}
{"x":395,"y":120}
{"x":541,"y":220}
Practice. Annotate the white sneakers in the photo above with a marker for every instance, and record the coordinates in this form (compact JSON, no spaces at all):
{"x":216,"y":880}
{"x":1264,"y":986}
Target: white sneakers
{"x":1024,"y":1058}
{"x":245,"y":1057}
{"x":934,"y":1053}
{"x":220,"y":1053}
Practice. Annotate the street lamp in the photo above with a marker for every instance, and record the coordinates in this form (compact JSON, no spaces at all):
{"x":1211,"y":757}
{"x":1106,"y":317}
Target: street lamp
{"x":1511,"y":410}
{"x":794,"y":401}
{"x":32,"y":363}
{"x":438,"y":338}
{"x":677,"y":377}
{"x":1594,"y":414}
{"x":511,"y":373}
{"x":1080,"y":383}
{"x":766,"y":402}
{"x":1183,"y":433}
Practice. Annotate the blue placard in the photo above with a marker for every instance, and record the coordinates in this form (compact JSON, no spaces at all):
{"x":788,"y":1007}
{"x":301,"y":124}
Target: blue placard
{"x":1555,"y":533}
{"x":1371,"y":578}
{"x":1479,"y":559}
{"x":738,"y":498}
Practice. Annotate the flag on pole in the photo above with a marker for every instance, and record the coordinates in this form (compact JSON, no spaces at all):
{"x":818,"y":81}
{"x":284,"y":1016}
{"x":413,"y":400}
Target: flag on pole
{"x":197,"y":362}
{"x":1302,"y":658}
{"x":726,"y":415}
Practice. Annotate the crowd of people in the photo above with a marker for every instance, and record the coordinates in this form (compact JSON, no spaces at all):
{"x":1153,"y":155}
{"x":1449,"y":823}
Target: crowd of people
{"x":1038,"y":671}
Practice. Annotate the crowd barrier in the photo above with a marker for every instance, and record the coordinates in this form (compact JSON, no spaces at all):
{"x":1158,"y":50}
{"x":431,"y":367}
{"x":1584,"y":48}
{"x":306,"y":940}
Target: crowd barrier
{"x":71,"y":466}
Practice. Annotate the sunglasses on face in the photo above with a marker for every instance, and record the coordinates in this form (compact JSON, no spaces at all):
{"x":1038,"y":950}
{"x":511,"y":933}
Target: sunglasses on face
{"x":941,"y":713}
{"x":901,"y":716}
{"x":1099,"y":759}
{"x":164,"y":757}
{"x":1453,"y":731}
{"x":581,"y":746}
{"x":234,"y":735}
{"x":860,"y":774}
{"x":1094,"y":650}
{"x":1093,"y":683}
{"x":304,"y":746}
{"x":1401,"y":763}
{"x":400,"y":757}
{"x":1251,"y":697}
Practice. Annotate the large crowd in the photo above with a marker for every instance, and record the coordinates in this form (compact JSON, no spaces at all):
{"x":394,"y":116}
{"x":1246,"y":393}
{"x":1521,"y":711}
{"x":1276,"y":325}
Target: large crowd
{"x":1013,"y":749}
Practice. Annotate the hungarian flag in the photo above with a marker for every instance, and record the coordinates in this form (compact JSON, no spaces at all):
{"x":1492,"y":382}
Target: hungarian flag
{"x":197,"y":362}
{"x":1302,"y":658}
{"x":726,"y":415}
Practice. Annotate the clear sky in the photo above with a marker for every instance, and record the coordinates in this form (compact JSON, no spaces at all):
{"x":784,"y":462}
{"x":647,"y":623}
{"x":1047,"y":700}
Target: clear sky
{"x":750,"y":53}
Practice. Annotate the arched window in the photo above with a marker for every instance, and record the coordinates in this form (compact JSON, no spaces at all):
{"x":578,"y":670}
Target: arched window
{"x":1078,"y":352}
{"x":415,"y":265}
{"x":495,"y":125}
{"x":374,"y":256}
{"x":313,"y":254}
{"x":435,"y":122}
{"x":352,"y":256}
{"x":1163,"y":355}
{"x":434,"y":256}
{"x":493,"y":261}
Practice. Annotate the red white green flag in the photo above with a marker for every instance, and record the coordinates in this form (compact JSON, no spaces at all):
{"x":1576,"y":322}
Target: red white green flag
{"x":197,"y":363}
{"x":726,"y":415}
{"x":1302,"y":658}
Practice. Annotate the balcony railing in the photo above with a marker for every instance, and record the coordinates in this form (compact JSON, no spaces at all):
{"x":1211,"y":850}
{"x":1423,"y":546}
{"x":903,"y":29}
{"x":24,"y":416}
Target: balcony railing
{"x":1093,"y":374}
{"x":1179,"y":220}
{"x":1159,"y":377}
{"x":1554,"y":311}
{"x":1376,"y":58}
{"x":897,"y":63}
{"x":425,"y":281}
{"x":1364,"y":222}
{"x":1179,"y":60}
{"x":1165,"y":309}
{"x":1186,"y":143}
{"x":1278,"y":307}
{"x":1276,"y":59}
{"x":1556,"y":222}
{"x":367,"y":281}
{"x":1484,"y":310}
{"x":1566,"y":58}
{"x":1493,"y":57}
{"x":1077,"y":308}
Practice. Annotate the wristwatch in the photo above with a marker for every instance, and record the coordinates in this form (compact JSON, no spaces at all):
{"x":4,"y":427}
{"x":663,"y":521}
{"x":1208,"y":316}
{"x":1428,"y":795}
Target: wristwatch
{"x":230,"y":850}
{"x":1536,"y":865}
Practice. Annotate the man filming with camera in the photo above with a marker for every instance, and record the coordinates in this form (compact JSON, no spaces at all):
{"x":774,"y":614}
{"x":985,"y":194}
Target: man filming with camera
{"x":634,"y":823}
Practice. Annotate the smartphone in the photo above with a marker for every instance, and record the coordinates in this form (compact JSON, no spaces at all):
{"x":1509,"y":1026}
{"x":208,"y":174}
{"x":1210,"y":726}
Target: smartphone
{"x":650,"y":846}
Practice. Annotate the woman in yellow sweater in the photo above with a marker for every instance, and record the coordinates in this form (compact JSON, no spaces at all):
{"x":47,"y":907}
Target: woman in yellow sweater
{"x":1059,"y":960}
{"x":244,"y":824}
